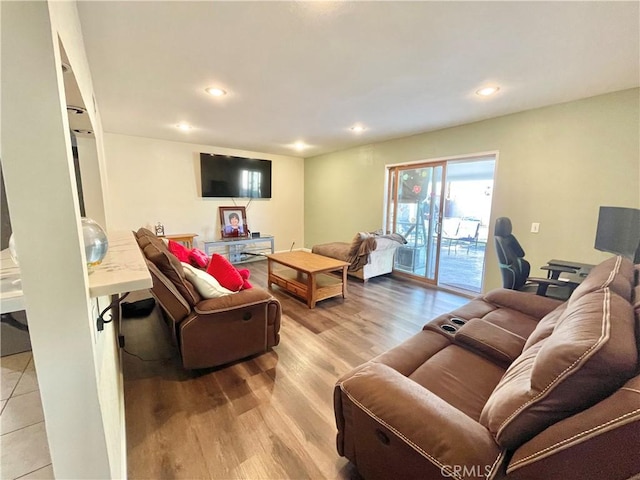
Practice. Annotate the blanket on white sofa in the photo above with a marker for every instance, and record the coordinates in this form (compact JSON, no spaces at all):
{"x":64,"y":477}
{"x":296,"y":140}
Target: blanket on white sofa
{"x":358,"y":253}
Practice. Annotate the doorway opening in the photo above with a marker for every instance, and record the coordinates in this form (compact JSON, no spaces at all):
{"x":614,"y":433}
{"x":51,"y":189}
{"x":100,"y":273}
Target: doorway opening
{"x":443,"y":210}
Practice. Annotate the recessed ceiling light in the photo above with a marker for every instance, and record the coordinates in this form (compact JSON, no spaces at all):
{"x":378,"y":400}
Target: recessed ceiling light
{"x":82,"y":131}
{"x":486,"y":91}
{"x":76,"y":110}
{"x":357,"y":129}
{"x":300,"y":146}
{"x":215,"y":91}
{"x":184,"y":126}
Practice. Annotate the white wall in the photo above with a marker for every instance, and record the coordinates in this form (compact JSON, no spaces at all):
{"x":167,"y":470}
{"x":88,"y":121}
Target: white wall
{"x":77,"y":380}
{"x":154,"y":181}
{"x":556,"y":166}
{"x":107,"y":361}
{"x":91,"y":182}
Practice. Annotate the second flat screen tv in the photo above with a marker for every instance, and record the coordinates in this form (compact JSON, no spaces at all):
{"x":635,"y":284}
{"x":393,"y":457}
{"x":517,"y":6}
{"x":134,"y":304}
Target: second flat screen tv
{"x":227,"y":176}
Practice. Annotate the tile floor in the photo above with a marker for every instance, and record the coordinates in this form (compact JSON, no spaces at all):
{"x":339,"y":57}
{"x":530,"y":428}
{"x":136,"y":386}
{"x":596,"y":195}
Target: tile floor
{"x":23,"y":439}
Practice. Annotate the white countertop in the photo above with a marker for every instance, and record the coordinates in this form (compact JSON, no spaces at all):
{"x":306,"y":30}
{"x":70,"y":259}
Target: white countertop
{"x":122,"y":270}
{"x":11,"y":298}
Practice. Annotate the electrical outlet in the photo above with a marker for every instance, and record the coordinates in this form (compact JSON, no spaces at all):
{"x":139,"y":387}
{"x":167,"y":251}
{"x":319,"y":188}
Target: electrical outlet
{"x":535,"y":227}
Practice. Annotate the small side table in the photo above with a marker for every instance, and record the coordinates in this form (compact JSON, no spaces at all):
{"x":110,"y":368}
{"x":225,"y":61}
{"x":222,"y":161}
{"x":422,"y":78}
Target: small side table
{"x":185,"y":238}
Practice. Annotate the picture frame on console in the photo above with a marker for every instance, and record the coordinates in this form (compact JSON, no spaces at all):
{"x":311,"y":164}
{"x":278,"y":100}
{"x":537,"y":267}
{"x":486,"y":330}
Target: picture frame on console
{"x":233,"y":222}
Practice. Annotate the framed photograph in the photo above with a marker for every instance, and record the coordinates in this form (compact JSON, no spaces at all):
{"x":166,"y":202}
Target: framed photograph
{"x":233,"y":221}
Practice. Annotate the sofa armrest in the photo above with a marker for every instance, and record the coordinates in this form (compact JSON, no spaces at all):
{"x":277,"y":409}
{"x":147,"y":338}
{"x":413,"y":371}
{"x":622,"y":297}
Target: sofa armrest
{"x":490,"y":340}
{"x":386,"y":244}
{"x":243,"y":298}
{"x":337,"y":250}
{"x":440,"y":436}
{"x":533,"y":305}
{"x":604,"y":437}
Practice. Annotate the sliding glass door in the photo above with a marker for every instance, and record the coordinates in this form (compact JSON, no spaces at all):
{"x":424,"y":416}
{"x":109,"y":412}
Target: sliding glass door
{"x":442,"y":209}
{"x":415,"y":212}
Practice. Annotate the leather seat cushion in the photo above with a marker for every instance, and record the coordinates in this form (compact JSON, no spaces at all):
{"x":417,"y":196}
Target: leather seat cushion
{"x":459,"y":377}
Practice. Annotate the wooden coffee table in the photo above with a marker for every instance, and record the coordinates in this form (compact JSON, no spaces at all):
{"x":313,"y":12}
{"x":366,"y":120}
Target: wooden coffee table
{"x":309,"y":276}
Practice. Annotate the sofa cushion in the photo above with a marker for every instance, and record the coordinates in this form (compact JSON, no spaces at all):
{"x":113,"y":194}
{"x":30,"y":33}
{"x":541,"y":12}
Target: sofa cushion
{"x":545,"y":326}
{"x":224,"y":271}
{"x":198,"y":258}
{"x":245,"y":274}
{"x":180,"y":251}
{"x":144,"y":237}
{"x":590,"y":353}
{"x":144,"y":232}
{"x":205,"y":284}
{"x":448,"y":375}
{"x":171,"y":267}
{"x":615,"y":273}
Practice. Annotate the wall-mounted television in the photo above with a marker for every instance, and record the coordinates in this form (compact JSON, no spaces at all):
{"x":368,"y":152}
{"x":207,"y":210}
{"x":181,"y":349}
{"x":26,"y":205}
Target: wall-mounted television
{"x":228,"y":176}
{"x":619,"y":231}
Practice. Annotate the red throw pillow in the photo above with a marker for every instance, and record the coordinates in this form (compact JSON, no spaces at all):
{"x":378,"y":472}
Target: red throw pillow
{"x":179,"y":250}
{"x":198,"y":258}
{"x":225,"y":273}
{"x":245,"y":274}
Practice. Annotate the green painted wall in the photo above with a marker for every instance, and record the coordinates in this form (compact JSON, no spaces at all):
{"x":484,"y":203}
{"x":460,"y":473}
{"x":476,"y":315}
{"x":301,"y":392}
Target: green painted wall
{"x":556,"y":165}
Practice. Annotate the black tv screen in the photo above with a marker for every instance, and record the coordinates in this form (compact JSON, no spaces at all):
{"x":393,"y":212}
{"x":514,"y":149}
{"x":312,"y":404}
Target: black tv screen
{"x":618,"y":231}
{"x":227,"y":176}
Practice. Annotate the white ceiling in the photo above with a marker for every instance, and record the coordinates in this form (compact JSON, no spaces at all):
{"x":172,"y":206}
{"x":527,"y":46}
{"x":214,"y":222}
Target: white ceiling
{"x":307,"y":71}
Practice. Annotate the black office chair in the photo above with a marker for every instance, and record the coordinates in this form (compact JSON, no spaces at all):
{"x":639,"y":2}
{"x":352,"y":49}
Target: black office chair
{"x":515,"y":269}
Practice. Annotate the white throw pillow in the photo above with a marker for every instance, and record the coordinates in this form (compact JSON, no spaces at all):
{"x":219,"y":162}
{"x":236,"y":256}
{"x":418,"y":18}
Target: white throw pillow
{"x":205,"y":284}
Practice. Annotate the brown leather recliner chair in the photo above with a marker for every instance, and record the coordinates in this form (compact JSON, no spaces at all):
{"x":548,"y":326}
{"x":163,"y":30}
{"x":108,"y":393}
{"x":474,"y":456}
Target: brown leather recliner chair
{"x":510,"y":386}
{"x":209,"y":332}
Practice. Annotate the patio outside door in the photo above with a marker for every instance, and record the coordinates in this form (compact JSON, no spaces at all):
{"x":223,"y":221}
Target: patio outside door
{"x":415,"y":212}
{"x":442,"y":209}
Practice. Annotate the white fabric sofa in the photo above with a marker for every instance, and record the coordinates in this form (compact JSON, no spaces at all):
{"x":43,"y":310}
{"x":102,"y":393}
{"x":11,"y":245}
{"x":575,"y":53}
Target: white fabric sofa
{"x":369,"y":254}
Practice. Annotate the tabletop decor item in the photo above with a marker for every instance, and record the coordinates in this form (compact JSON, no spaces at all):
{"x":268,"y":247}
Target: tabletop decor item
{"x":233,"y":221}
{"x":96,"y":243}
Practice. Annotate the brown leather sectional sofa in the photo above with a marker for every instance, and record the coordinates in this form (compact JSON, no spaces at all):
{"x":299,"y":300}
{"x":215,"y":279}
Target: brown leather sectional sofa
{"x":209,"y":332}
{"x":511,"y":385}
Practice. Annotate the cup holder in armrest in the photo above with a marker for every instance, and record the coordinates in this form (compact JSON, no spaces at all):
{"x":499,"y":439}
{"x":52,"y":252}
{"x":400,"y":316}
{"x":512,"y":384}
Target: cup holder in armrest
{"x":448,"y":328}
{"x":458,"y":321}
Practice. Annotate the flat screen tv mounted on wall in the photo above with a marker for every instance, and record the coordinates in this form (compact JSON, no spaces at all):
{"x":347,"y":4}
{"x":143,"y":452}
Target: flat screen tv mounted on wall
{"x":228,"y":176}
{"x":619,"y":231}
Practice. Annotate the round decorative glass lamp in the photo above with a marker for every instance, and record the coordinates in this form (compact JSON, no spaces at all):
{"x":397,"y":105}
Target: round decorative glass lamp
{"x":96,"y":243}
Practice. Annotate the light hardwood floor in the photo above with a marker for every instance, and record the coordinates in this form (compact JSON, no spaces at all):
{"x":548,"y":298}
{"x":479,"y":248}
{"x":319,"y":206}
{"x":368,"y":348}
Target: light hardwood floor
{"x":271,"y":416}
